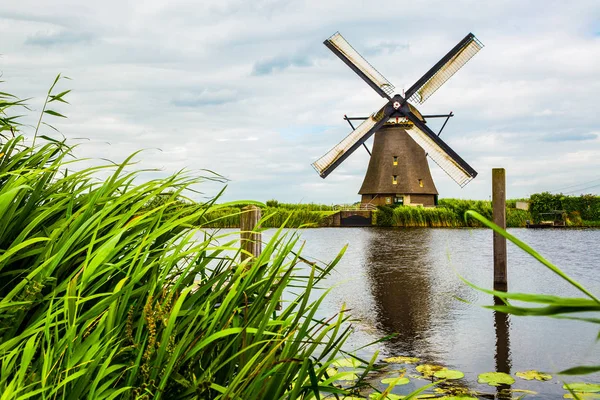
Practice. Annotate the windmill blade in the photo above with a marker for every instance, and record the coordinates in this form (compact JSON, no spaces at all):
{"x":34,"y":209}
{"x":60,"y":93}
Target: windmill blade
{"x":341,"y":48}
{"x":334,"y":157}
{"x":444,"y":69}
{"x":457,"y":168}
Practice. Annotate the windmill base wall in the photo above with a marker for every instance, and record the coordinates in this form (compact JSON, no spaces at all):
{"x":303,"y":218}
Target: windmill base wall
{"x":389,"y":199}
{"x":398,"y":172}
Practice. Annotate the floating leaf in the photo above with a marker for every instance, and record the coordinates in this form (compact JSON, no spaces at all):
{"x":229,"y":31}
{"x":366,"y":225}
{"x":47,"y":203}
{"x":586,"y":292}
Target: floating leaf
{"x":495,"y":378}
{"x":429,"y":369}
{"x":581,"y":395}
{"x":533,"y":374}
{"x":448,"y":374}
{"x":402,"y":360}
{"x":582,"y":387}
{"x":401,"y":381}
{"x":346,"y":363}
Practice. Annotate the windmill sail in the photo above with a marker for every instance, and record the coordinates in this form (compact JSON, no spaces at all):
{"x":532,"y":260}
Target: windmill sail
{"x":326,"y":164}
{"x":444,"y":69}
{"x":441,"y":153}
{"x":341,"y":48}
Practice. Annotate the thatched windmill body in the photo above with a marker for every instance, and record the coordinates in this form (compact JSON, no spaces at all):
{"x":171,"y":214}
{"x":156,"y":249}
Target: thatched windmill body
{"x":398,"y":171}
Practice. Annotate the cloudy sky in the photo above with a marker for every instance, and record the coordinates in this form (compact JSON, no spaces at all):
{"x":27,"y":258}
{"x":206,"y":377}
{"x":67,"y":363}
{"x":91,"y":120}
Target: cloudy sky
{"x":247,"y":89}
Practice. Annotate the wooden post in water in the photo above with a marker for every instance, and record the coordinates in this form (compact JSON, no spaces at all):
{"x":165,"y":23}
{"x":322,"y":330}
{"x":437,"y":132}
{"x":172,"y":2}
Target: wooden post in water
{"x":499,"y":217}
{"x":250,"y":240}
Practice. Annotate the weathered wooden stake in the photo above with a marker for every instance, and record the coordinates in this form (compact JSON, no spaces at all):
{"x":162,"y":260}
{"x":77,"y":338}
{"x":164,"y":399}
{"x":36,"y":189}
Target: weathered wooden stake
{"x":499,"y":217}
{"x":250,"y":240}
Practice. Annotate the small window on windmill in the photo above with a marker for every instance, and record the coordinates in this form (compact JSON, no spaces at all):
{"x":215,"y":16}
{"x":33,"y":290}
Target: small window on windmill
{"x":420,"y":182}
{"x":394,"y":179}
{"x":388,"y":200}
{"x":399,"y":200}
{"x":395,"y":160}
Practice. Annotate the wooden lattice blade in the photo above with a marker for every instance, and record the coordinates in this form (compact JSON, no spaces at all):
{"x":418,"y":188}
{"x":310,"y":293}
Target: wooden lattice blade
{"x":457,"y":168}
{"x":341,"y":48}
{"x":327,"y":163}
{"x":444,"y":69}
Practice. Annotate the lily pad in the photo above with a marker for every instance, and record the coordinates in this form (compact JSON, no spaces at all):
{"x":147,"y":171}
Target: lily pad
{"x":533,"y":374}
{"x":346,"y":363}
{"x":582,"y":387}
{"x":429,"y":369}
{"x":401,"y":360}
{"x":401,"y":381}
{"x":495,"y":378}
{"x":448,"y":374}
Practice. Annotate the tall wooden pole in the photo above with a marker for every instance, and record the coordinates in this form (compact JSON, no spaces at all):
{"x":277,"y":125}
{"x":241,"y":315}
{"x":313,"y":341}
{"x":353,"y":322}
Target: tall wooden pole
{"x":499,"y":217}
{"x":250,"y":240}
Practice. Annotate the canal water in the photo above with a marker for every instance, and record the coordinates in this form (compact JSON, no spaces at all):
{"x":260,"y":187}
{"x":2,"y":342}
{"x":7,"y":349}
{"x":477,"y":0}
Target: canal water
{"x":406,"y":282}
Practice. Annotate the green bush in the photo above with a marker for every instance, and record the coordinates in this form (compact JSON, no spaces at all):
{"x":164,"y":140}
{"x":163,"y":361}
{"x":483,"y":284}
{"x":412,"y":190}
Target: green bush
{"x":384,"y":216}
{"x":272,"y":203}
{"x":574,"y":219}
{"x":587,"y":205}
{"x":516,"y":218}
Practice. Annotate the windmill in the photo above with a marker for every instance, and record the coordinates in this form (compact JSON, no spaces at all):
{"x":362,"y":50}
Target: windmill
{"x":398,"y":171}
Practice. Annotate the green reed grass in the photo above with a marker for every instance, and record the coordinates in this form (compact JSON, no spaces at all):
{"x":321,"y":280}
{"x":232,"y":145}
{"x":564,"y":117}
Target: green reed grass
{"x":108,"y":294}
{"x":275,"y":217}
{"x":449,"y":213}
{"x":300,"y":206}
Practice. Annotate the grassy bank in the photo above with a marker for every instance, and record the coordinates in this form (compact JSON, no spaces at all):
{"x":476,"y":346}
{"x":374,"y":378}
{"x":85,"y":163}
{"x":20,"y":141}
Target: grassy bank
{"x":449,"y":214}
{"x":274,"y":217}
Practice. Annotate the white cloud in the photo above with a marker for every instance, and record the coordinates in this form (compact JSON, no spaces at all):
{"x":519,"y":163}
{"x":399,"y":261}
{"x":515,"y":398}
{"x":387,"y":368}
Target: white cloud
{"x":247,"y":89}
